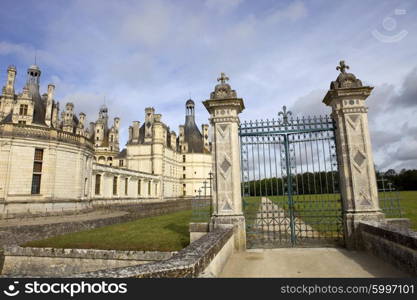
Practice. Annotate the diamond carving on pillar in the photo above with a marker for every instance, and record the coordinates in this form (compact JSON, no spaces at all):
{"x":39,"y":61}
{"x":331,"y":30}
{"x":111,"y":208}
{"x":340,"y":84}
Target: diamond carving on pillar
{"x":359,"y":158}
{"x":226,"y":205}
{"x":223,"y":127}
{"x":365,"y":199}
{"x":353,"y":120}
{"x":225,"y":165}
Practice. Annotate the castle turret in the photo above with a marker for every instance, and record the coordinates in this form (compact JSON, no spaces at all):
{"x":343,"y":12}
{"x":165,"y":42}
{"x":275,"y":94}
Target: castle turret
{"x":11,"y":78}
{"x":67,"y":118}
{"x":80,"y":126}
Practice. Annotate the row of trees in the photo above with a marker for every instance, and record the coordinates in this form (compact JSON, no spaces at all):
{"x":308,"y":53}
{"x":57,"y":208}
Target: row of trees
{"x":302,"y":184}
{"x":405,"y":180}
{"x":325,"y":183}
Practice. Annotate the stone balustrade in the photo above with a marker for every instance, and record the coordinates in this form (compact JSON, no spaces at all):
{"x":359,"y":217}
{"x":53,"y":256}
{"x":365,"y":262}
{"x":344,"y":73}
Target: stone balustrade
{"x":43,"y":133}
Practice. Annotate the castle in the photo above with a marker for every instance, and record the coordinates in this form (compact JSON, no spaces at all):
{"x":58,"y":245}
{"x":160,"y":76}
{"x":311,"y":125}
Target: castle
{"x":54,"y":163}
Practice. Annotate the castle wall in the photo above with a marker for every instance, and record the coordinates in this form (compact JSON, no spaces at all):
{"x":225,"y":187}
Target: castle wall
{"x":66,"y":170}
{"x":197,"y":169}
{"x":115,"y":185}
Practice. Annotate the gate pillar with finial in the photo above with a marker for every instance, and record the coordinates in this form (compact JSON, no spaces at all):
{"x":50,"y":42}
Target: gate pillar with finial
{"x":358,"y":184}
{"x":224,"y":107}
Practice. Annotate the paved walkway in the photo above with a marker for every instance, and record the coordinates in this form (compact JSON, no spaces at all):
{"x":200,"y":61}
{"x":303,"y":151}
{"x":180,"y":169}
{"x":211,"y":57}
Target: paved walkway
{"x":307,"y":262}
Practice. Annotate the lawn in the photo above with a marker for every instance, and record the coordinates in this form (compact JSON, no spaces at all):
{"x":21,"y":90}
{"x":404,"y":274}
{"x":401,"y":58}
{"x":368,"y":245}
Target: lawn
{"x":409,"y":207}
{"x":170,"y":232}
{"x":313,"y":206}
{"x":162,"y":233}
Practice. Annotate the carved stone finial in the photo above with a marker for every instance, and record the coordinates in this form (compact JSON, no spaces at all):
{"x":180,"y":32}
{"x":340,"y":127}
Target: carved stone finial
{"x":345,"y":80}
{"x":223,"y":78}
{"x":342,"y":66}
{"x":223,"y":89}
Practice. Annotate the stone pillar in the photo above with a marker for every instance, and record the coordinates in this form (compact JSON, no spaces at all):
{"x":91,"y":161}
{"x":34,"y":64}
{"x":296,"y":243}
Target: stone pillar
{"x":358,"y":185}
{"x":224,"y":108}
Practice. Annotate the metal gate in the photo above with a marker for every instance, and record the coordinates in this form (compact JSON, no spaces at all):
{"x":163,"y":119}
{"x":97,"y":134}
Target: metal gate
{"x":290,"y":182}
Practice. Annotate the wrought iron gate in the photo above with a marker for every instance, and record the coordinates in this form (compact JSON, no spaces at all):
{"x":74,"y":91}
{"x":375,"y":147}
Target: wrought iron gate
{"x":290,"y":182}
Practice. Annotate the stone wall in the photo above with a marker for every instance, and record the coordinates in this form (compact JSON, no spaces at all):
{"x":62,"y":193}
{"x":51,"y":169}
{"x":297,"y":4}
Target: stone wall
{"x":16,"y":235}
{"x":393,"y":245}
{"x":64,"y":262}
{"x":189,"y":262}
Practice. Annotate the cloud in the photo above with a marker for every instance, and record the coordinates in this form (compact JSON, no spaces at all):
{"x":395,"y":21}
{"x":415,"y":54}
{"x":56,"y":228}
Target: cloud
{"x":222,"y":6}
{"x":293,"y":12}
{"x":158,"y":53}
{"x":408,"y":96}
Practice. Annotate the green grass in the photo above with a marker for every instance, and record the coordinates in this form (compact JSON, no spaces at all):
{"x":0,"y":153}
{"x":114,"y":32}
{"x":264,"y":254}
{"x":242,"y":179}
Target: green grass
{"x":162,"y":233}
{"x":170,"y":232}
{"x":310,"y":206}
{"x":409,"y":207}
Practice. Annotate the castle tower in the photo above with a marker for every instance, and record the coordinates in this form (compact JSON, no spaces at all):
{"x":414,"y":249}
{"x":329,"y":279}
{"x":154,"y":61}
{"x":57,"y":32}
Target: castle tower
{"x":103,"y":116}
{"x":192,"y":135}
{"x":32,"y":85}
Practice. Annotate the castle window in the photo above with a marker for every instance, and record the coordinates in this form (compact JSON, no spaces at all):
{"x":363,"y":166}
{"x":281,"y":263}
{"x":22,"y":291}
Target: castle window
{"x":22,"y":122}
{"x":149,"y":188}
{"x":183,"y":168}
{"x":126,"y":185}
{"x":98,"y":184}
{"x":183,"y":176}
{"x":23,"y":110}
{"x":115,"y":185}
{"x":139,"y":186}
{"x":121,"y":163}
{"x":37,"y":170}
{"x":85,"y":186}
{"x":156,"y":189}
{"x":183,"y":158}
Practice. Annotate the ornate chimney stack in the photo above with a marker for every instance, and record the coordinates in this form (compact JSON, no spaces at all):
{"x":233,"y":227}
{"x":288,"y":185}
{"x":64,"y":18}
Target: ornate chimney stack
{"x":49,"y":105}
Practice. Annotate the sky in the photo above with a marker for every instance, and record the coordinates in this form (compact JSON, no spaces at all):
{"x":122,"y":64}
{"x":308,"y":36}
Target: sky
{"x":135,"y":54}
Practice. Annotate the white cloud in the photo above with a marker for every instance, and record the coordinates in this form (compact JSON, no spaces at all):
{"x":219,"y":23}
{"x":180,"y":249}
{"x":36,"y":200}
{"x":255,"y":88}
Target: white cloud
{"x":222,"y":6}
{"x":293,"y":12}
{"x":156,"y":53}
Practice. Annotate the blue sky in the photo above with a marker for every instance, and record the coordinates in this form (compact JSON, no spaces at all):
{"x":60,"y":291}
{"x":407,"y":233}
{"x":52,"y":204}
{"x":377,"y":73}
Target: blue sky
{"x":158,"y":53}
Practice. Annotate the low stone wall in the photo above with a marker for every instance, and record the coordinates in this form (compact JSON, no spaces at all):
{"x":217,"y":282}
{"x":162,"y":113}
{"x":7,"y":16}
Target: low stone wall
{"x":65,"y":262}
{"x":189,"y":262}
{"x":197,"y":230}
{"x":394,"y":245}
{"x":19,"y":234}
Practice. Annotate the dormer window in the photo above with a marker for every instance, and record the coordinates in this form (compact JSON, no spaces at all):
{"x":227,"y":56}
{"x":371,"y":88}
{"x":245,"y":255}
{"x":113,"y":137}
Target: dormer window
{"x":23,"y":110}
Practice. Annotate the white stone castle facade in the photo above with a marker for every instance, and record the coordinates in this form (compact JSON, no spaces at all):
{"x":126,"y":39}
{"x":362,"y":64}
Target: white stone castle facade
{"x":54,"y":163}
